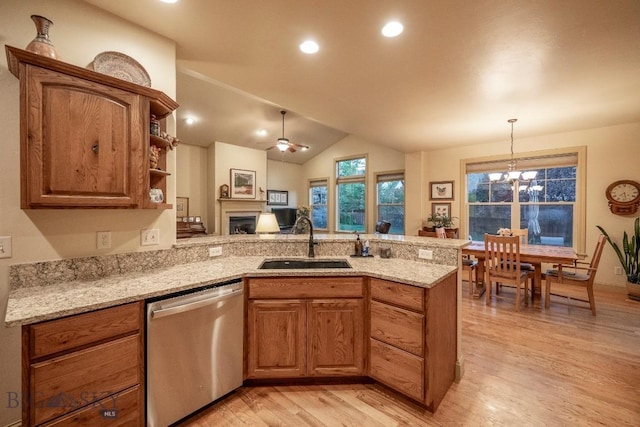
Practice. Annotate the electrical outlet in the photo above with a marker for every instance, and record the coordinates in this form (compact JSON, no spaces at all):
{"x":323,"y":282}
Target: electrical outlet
{"x":103,"y":240}
{"x":617,"y":271}
{"x":215,"y":251}
{"x":425,"y":254}
{"x":150,"y":237}
{"x":5,"y":247}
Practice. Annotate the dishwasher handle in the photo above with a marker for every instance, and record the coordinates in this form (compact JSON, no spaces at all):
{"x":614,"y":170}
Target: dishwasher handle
{"x":163,"y":312}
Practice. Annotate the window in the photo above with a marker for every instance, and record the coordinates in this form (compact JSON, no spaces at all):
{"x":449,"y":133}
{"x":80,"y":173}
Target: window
{"x":318,"y":201}
{"x":546,"y":205}
{"x":351,"y":194}
{"x":390,"y":200}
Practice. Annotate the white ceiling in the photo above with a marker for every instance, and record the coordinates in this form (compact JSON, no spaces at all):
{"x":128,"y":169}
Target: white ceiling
{"x":457,"y":73}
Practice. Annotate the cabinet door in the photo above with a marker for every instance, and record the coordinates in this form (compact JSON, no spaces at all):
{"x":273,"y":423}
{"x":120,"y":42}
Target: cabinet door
{"x":336,"y":337}
{"x":276,"y":339}
{"x":82,"y":143}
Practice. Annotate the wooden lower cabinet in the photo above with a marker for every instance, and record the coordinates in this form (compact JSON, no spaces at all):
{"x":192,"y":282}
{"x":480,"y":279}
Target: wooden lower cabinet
{"x":88,"y":367}
{"x":277,"y":339}
{"x":398,"y":369}
{"x":311,"y":336}
{"x":412,"y":341}
{"x":335,"y":329}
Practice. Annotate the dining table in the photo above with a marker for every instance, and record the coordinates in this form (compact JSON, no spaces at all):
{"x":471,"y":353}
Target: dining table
{"x":535,"y":255}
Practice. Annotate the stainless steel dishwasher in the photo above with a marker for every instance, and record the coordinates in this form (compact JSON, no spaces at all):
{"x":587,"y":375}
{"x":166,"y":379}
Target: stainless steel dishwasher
{"x":194,"y":350}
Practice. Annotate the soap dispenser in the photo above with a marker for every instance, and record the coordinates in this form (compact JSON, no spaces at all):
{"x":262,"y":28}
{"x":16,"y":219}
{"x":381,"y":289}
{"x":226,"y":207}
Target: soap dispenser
{"x":358,"y":245}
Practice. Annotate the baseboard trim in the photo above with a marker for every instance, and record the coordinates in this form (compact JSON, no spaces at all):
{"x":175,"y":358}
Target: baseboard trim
{"x":14,"y":424}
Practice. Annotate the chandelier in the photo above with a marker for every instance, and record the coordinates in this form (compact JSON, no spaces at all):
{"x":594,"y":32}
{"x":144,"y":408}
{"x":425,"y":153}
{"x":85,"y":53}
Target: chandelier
{"x":513,"y":174}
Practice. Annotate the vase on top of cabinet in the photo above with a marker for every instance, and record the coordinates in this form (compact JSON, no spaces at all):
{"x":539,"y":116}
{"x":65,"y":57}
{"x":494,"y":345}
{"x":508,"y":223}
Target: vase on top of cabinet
{"x":94,"y":132}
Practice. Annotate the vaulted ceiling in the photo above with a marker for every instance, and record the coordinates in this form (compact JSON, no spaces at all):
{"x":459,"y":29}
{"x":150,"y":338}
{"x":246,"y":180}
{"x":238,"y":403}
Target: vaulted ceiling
{"x":455,"y":75}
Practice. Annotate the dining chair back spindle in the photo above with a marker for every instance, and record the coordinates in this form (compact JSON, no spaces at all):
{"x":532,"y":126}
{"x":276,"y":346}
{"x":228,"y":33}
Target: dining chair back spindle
{"x":502,"y":257}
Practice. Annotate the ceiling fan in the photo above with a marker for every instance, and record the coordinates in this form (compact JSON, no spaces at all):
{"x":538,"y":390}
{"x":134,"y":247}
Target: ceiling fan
{"x":284,"y":144}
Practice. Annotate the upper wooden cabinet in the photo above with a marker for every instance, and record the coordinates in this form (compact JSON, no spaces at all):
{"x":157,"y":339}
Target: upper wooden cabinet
{"x":85,"y":136}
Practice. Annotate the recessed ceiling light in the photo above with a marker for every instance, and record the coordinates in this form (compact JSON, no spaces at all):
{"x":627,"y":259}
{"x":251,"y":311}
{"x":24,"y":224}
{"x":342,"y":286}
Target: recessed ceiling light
{"x":189,"y":120}
{"x":169,"y":1}
{"x":261,"y":132}
{"x":309,"y":47}
{"x":392,"y":29}
{"x":304,"y":148}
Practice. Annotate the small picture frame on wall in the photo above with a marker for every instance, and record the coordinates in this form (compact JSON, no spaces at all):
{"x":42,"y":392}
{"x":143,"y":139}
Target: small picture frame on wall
{"x":243,"y":184}
{"x":441,"y":190}
{"x":441,"y":209}
{"x":182,"y":207}
{"x":277,"y":198}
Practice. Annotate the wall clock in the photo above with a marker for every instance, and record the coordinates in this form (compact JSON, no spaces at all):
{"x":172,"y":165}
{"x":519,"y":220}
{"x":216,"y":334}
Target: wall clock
{"x":624,"y":197}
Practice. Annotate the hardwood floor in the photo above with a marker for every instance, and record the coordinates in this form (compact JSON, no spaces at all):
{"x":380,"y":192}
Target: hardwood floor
{"x":536,"y":367}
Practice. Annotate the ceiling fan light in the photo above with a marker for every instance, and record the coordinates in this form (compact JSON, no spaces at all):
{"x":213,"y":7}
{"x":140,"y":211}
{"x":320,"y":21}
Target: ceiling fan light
{"x":283,"y":144}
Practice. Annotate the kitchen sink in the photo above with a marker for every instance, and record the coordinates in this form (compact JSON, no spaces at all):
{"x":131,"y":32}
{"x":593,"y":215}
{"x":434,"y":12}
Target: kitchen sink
{"x":280,"y":264}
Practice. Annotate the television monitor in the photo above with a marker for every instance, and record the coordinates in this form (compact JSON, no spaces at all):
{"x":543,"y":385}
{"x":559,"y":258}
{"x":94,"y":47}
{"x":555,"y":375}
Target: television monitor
{"x":286,"y":217}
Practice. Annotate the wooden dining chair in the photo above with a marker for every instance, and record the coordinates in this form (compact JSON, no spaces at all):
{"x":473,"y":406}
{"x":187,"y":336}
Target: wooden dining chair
{"x":502,"y":258}
{"x":570,"y":275}
{"x":523,"y":233}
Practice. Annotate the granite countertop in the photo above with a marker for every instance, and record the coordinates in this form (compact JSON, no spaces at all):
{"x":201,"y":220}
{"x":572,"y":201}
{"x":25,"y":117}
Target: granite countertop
{"x":38,"y":303}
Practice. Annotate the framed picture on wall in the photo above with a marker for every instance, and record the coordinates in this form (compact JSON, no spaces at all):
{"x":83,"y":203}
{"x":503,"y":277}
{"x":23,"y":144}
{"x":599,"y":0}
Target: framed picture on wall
{"x":243,"y":184}
{"x":441,"y":209}
{"x":277,"y":198}
{"x":441,"y":190}
{"x":182,"y":207}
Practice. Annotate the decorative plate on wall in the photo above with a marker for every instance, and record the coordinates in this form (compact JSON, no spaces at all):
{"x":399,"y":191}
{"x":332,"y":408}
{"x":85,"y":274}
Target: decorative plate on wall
{"x":119,"y":65}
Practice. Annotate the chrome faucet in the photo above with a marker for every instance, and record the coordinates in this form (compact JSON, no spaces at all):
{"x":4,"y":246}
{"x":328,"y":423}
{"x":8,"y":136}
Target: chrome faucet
{"x":311,"y":241}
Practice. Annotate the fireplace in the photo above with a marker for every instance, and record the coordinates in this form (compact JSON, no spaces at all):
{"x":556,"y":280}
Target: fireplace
{"x":245,"y":224}
{"x":240,"y":213}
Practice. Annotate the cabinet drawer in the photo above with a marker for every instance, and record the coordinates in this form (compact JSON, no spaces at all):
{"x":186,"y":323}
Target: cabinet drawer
{"x":399,"y":327}
{"x":407,"y":296}
{"x":306,"y":287}
{"x":123,"y":409}
{"x":83,"y":329}
{"x":66,"y":383}
{"x":398,"y":369}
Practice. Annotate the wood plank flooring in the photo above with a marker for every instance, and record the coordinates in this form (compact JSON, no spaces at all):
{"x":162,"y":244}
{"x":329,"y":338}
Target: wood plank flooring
{"x":536,"y":367}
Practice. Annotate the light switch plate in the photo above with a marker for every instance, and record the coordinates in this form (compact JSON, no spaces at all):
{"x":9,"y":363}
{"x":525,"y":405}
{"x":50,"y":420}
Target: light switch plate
{"x":5,"y":247}
{"x":103,"y":240}
{"x":150,"y":237}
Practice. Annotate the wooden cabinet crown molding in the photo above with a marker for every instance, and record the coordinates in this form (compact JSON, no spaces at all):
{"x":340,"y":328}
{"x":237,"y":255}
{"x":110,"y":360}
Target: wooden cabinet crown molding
{"x":161,"y":104}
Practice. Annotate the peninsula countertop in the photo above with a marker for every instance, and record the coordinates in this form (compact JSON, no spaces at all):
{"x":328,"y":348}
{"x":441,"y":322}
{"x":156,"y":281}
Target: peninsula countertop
{"x":37,"y":303}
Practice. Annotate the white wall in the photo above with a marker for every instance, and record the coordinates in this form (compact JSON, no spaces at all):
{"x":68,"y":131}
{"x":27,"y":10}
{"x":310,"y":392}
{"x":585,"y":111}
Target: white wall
{"x":192,"y":163}
{"x":79,"y":33}
{"x":287,"y":177}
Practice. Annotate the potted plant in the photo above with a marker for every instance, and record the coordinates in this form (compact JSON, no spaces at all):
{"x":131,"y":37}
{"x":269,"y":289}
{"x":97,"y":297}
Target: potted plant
{"x":441,"y":220}
{"x":629,"y":257}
